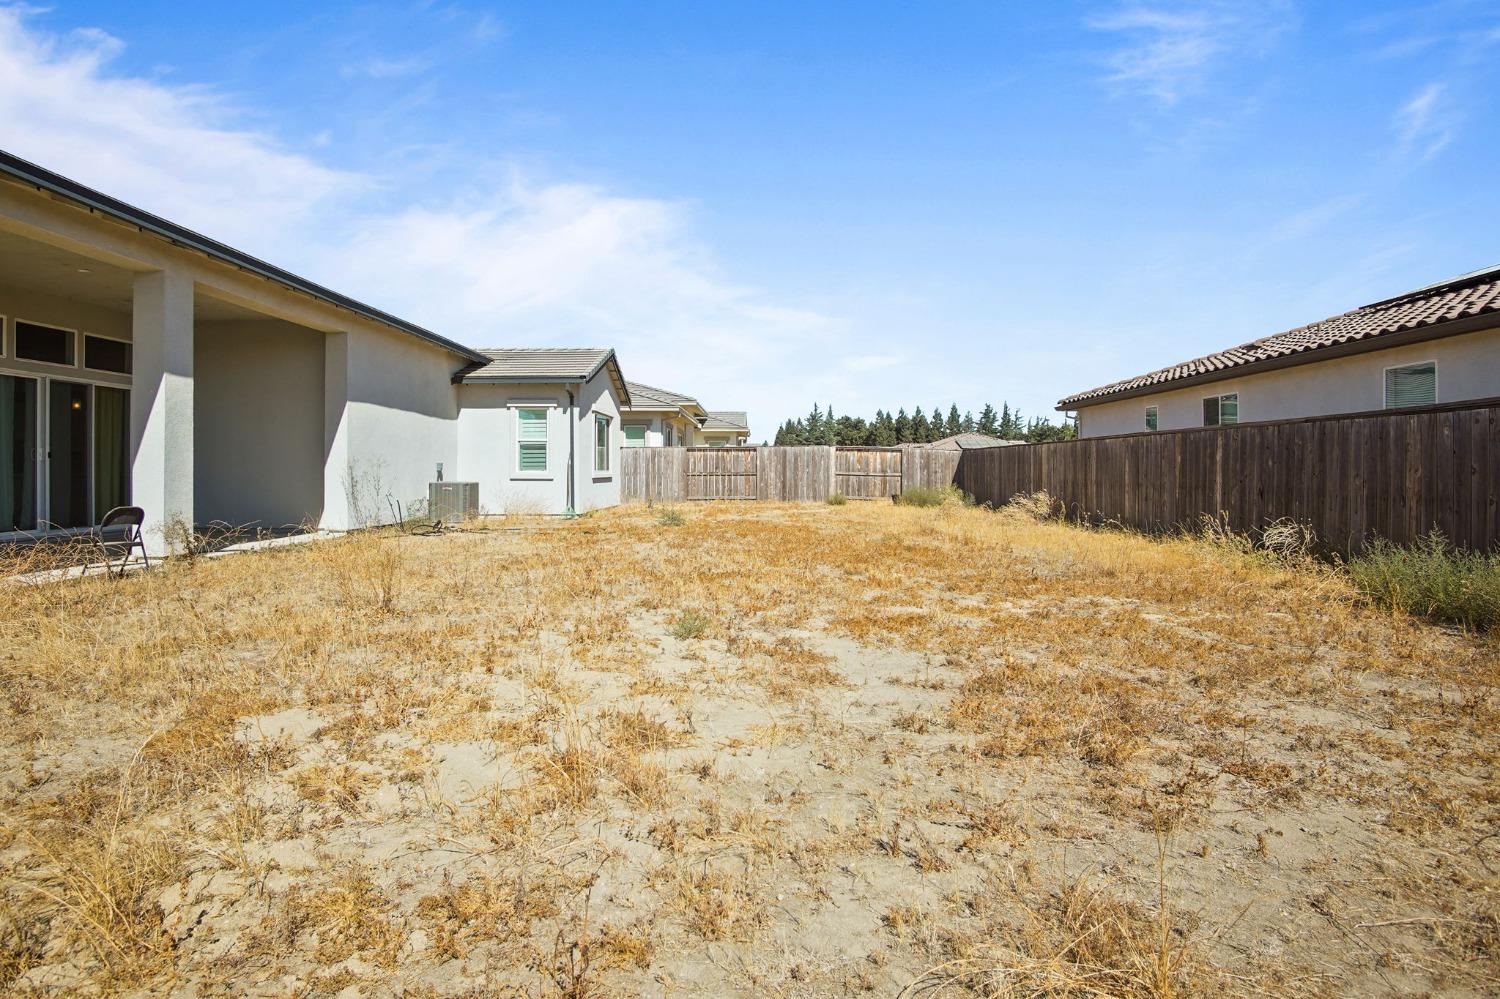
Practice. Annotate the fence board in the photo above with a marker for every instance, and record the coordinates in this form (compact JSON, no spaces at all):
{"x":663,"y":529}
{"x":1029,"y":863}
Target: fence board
{"x":1395,"y":475}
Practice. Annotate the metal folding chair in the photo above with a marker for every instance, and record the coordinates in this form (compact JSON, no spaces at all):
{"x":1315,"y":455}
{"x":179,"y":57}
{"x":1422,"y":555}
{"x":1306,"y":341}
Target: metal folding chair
{"x":121,"y":530}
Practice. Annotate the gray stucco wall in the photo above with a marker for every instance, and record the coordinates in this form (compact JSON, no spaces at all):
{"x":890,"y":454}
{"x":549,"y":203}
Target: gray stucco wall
{"x":257,"y":423}
{"x":1468,"y":367}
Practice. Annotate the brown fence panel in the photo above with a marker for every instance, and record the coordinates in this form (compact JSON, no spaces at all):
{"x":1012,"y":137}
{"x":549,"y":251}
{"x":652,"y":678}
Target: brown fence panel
{"x":721,"y":473}
{"x":867,"y":472}
{"x":653,"y":474}
{"x":1395,"y":475}
{"x":926,"y":468}
{"x":797,"y":474}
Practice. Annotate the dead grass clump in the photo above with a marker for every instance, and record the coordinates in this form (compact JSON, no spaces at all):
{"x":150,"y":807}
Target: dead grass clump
{"x":1083,"y":940}
{"x":714,"y":904}
{"x":350,"y":916}
{"x":95,"y":887}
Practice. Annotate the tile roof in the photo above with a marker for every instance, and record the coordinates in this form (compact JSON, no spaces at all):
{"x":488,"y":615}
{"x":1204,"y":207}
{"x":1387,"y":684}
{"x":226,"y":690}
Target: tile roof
{"x":537,"y":364}
{"x":969,"y":442}
{"x":726,"y":419}
{"x":1463,"y":297}
{"x":650,"y":397}
{"x":531,"y":365}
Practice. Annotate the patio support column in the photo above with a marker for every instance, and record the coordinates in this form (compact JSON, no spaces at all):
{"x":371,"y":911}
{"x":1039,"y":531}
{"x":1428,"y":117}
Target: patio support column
{"x":339,"y":489}
{"x":161,"y":401}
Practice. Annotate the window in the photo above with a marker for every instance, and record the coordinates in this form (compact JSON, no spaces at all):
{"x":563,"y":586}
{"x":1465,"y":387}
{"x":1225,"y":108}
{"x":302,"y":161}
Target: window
{"x":1221,"y":410}
{"x":635,"y":434}
{"x":601,"y":442}
{"x":103,"y":354}
{"x":531,"y":440}
{"x":35,"y":342}
{"x":1150,"y":417}
{"x":1411,"y":385}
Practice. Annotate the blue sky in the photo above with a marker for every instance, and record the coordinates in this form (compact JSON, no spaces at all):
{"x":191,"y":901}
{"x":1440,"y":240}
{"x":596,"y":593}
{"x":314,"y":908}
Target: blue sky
{"x":771,"y":204}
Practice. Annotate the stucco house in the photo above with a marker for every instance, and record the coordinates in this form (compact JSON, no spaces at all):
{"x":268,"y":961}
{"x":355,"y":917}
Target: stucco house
{"x":662,"y":418}
{"x":142,"y":362}
{"x":1434,"y":345}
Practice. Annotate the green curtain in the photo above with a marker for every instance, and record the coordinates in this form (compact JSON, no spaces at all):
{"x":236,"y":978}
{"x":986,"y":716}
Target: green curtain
{"x":111,"y":449}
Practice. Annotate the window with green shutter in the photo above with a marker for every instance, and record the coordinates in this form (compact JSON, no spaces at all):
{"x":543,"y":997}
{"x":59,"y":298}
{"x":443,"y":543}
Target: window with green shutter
{"x":601,"y":442}
{"x":1411,"y":385}
{"x":635,"y":435}
{"x":531,"y":440}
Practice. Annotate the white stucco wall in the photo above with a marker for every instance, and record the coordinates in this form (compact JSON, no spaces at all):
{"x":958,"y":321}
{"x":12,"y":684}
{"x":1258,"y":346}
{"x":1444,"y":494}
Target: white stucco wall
{"x":1468,"y":367}
{"x":257,"y":423}
{"x":487,"y":446}
{"x":598,"y":489}
{"x":400,"y":420}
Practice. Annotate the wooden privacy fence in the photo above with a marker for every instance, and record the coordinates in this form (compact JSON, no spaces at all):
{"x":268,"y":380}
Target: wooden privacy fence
{"x":786,"y":474}
{"x":1395,"y":475}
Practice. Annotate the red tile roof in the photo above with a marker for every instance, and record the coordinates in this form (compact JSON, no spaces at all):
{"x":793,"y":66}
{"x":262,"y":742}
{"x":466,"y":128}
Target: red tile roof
{"x":1459,"y":298}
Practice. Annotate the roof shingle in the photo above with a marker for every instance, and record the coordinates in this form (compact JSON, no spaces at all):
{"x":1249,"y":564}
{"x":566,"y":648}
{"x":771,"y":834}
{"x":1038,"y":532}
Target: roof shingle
{"x":726,"y":419}
{"x":538,"y":364}
{"x":1462,"y":297}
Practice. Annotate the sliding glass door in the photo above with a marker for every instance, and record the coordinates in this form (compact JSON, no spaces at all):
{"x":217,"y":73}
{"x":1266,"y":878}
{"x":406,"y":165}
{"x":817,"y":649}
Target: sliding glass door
{"x":68,"y":421}
{"x":18,"y":453}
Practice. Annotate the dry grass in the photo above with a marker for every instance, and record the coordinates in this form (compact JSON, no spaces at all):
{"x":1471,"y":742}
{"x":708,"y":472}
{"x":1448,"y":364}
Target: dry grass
{"x":755,"y":750}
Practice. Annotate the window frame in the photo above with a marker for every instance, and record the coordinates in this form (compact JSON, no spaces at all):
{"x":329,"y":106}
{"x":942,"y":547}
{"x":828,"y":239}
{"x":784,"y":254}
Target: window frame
{"x":1153,"y":417}
{"x":83,"y":354}
{"x":1385,"y":397}
{"x":602,"y":424}
{"x":517,"y":471}
{"x":4,"y":327}
{"x":73,"y":365}
{"x":1218,"y":401}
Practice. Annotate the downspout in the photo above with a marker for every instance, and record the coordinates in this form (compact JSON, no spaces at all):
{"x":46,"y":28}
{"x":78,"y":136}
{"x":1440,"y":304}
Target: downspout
{"x":569,"y":510}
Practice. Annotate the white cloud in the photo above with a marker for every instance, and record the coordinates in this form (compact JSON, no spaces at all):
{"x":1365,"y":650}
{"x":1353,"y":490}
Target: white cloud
{"x":1426,"y":124}
{"x":1170,"y":48}
{"x":517,"y":260}
{"x":138,"y":140}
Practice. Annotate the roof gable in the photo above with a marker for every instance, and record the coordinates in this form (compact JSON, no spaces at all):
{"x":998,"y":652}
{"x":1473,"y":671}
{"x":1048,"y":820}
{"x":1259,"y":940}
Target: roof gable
{"x":540,"y":365}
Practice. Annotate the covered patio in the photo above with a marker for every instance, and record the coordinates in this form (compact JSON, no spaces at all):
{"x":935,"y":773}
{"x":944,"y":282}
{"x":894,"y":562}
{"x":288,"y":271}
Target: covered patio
{"x":123,"y":384}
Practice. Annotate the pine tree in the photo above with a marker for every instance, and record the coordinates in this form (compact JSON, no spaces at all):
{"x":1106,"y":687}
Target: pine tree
{"x":902,"y":427}
{"x":921,"y":428}
{"x":813,"y":428}
{"x":936,"y":424}
{"x":955,"y":422}
{"x":988,"y":423}
{"x":967,"y":427}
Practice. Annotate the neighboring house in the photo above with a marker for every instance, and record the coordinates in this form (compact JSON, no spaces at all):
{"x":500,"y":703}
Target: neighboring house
{"x":967,"y":442}
{"x":1437,"y":344}
{"x":141,"y":362}
{"x":660,"y":418}
{"x":557,"y":412}
{"x":724,"y":428}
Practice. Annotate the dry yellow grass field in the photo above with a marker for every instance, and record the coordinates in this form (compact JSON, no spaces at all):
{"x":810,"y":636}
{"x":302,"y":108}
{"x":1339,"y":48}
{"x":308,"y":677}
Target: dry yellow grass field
{"x":770,"y":751}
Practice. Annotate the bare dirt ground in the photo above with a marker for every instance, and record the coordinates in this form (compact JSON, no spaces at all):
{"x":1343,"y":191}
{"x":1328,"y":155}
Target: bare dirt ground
{"x":744,"y":750}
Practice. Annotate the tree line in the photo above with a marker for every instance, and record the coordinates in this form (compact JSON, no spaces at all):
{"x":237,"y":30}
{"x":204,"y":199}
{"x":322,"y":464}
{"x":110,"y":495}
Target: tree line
{"x":821,"y":426}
